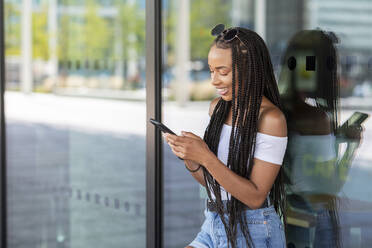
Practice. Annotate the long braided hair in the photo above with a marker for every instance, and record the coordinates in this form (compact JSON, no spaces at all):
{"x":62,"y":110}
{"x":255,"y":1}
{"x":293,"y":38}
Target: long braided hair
{"x":252,"y":70}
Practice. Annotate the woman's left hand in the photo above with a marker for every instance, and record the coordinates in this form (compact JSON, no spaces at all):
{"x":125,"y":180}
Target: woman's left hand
{"x":190,"y":146}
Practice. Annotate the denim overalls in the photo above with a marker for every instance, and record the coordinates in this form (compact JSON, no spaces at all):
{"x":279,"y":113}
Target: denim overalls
{"x":264,"y":225}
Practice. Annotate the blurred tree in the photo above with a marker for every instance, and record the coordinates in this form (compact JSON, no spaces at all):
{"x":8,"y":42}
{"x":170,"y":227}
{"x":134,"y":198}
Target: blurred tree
{"x":204,"y":15}
{"x":97,"y":34}
{"x":63,"y":37}
{"x":169,"y":24}
{"x":132,"y":22}
{"x":40,"y":45}
{"x":12,"y":17}
{"x":85,"y":37}
{"x":12,"y":26}
{"x":129,"y":32}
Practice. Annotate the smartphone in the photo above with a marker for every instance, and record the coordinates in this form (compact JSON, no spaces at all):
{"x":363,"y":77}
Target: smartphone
{"x":357,"y":118}
{"x":163,"y":128}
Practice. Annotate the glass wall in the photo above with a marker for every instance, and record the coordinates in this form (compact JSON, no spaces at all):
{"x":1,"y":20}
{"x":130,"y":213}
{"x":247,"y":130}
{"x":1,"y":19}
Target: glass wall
{"x":322,"y":60}
{"x":75,"y":123}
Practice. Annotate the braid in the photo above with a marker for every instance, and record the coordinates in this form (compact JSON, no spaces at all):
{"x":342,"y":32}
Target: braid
{"x":253,"y":73}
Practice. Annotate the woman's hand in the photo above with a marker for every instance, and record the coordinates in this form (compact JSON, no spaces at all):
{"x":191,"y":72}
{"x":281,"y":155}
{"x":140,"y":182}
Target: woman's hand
{"x":188,"y":146}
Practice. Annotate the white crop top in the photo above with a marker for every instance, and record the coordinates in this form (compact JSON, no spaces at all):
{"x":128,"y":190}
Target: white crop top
{"x":268,"y":148}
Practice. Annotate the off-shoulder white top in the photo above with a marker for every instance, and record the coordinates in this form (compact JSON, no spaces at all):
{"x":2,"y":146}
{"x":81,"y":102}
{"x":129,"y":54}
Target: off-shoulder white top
{"x":268,"y":148}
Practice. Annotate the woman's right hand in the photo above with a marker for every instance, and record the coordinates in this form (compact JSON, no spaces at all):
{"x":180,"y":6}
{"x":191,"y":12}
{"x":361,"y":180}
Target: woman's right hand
{"x":173,"y":148}
{"x":189,"y":163}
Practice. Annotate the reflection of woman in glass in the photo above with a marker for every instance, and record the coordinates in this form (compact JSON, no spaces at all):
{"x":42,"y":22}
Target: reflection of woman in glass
{"x":242,"y":149}
{"x":309,"y":90}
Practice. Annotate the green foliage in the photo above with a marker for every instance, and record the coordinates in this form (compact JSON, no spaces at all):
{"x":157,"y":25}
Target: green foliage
{"x":12,"y":17}
{"x":40,"y":37}
{"x":169,"y":24}
{"x":63,"y":38}
{"x":97,"y":34}
{"x":204,"y":15}
{"x":133,"y":27}
{"x":12,"y":29}
{"x":92,"y":36}
{"x":84,"y":37}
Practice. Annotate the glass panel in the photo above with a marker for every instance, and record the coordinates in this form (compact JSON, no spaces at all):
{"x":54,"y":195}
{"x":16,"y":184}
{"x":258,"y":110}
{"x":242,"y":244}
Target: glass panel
{"x":75,"y":122}
{"x":321,"y":57}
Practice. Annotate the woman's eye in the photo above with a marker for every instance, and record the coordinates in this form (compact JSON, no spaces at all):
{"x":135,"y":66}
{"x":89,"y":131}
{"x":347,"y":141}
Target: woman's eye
{"x":220,"y":73}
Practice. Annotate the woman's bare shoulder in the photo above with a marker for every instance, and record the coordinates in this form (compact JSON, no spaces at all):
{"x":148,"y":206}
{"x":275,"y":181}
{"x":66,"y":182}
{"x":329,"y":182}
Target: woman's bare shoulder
{"x":272,"y":121}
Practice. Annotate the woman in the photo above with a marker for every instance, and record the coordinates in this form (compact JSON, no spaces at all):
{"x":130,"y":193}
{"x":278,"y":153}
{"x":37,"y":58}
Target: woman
{"x":243,"y":146}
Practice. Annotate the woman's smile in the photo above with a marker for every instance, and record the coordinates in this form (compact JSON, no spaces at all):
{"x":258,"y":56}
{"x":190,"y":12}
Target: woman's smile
{"x":220,"y":64}
{"x":222,"y":91}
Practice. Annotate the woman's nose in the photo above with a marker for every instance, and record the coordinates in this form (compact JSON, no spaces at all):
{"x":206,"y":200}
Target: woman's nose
{"x":215,"y":80}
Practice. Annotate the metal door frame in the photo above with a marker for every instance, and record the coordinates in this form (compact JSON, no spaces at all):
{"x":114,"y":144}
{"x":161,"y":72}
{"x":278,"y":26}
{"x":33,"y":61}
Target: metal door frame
{"x":3,"y":206}
{"x":154,"y":169}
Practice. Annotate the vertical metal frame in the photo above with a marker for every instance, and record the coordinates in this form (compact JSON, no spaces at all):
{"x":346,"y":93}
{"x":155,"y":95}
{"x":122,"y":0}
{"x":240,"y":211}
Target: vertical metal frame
{"x":154,"y":170}
{"x":3,"y":203}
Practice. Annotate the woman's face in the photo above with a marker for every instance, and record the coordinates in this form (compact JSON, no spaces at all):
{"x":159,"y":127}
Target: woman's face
{"x":220,"y":65}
